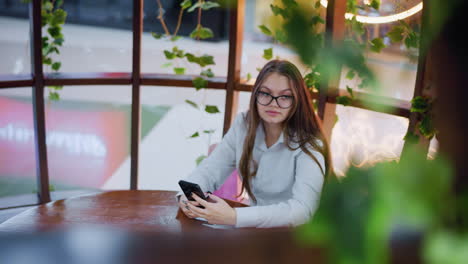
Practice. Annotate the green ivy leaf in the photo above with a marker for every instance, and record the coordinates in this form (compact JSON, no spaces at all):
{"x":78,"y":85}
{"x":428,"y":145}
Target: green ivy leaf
{"x":265,"y":30}
{"x":167,"y":65}
{"x":169,"y":55}
{"x":212,"y":109}
{"x":357,"y":26}
{"x":178,"y":52}
{"x":202,"y":60}
{"x":396,"y":34}
{"x":249,"y":76}
{"x":192,"y":8}
{"x":156,"y":35}
{"x":59,"y":41}
{"x":258,"y":69}
{"x":426,"y":127}
{"x":317,"y":4}
{"x":419,"y":104}
{"x":280,"y":36}
{"x":179,"y":71}
{"x":412,"y":40}
{"x":47,"y":6}
{"x":316,"y":20}
{"x":377,"y":45}
{"x":344,"y":100}
{"x":186,"y":4}
{"x":279,"y":11}
{"x":351,"y":6}
{"x":194,"y":135}
{"x":208,"y":5}
{"x":268,"y":53}
{"x":199,"y":83}
{"x":289,"y":3}
{"x":192,"y":103}
{"x":201,"y":33}
{"x":47,"y":61}
{"x":411,"y":137}
{"x":211,"y":131}
{"x":56,"y":66}
{"x":58,"y":17}
{"x":175,"y":38}
{"x":375,"y":4}
{"x":350,"y":75}
{"x":54,"y":96}
{"x":200,"y":159}
{"x":55,"y":32}
{"x":208,"y":73}
{"x":57,"y":87}
{"x":350,"y":91}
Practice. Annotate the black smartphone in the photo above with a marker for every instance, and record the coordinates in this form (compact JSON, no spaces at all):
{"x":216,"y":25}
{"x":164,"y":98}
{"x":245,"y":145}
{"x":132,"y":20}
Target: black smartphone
{"x":189,"y":187}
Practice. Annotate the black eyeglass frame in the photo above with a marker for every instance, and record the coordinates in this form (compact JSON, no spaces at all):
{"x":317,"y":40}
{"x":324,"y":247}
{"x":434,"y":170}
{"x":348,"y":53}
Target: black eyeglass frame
{"x":275,"y":98}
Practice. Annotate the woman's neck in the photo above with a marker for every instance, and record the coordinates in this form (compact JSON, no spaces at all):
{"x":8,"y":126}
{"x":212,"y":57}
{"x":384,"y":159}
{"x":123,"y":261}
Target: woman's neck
{"x":272,"y":133}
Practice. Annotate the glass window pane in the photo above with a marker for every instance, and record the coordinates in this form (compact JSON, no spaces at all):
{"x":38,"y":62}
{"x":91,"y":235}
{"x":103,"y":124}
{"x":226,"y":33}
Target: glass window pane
{"x":255,"y":42}
{"x":363,"y":138}
{"x":14,"y":42}
{"x":167,"y":151}
{"x":395,"y":65}
{"x":18,"y":183}
{"x":97,"y":37}
{"x":154,"y":59}
{"x":88,"y":136}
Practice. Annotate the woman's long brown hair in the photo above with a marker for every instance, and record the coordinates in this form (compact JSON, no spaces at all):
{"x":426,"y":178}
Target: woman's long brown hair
{"x":301,"y":126}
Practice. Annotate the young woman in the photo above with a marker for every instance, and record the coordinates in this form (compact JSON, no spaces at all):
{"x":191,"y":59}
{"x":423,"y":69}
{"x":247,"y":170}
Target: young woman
{"x":279,"y":150}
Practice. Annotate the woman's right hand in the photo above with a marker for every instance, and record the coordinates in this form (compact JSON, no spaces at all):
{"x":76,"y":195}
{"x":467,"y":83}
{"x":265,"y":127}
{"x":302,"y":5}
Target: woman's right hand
{"x":185,"y":208}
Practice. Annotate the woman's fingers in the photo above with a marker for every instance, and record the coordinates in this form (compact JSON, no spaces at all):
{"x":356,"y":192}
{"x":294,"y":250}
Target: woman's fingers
{"x":196,"y":210}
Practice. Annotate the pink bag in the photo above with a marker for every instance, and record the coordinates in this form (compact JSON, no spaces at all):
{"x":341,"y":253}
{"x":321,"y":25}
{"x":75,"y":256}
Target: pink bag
{"x":231,"y":187}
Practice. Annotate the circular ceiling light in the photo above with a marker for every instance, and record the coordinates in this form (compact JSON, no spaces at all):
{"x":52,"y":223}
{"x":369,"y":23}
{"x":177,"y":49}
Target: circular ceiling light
{"x":382,"y":19}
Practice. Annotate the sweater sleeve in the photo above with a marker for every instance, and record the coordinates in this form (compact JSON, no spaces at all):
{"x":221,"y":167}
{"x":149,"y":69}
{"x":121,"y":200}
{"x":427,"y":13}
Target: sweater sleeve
{"x":299,"y":208}
{"x":214,"y":170}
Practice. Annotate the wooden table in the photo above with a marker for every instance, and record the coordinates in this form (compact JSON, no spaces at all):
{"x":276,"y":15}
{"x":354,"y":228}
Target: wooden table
{"x":126,"y":227}
{"x":134,"y":210}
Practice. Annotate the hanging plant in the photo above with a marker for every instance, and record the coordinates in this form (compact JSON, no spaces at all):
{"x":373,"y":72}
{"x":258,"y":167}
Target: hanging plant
{"x":53,"y":18}
{"x":177,"y":56}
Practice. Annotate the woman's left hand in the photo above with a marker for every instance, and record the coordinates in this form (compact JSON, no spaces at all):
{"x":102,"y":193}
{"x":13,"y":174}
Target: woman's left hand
{"x":219,"y":212}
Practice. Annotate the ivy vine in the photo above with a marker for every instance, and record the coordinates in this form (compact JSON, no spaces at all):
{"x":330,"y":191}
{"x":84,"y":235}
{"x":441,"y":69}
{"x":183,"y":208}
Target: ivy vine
{"x":53,"y":18}
{"x":178,"y":57}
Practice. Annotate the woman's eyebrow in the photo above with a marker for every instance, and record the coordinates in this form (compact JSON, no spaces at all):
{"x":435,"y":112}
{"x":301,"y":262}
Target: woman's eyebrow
{"x":266,"y":87}
{"x":263,"y":86}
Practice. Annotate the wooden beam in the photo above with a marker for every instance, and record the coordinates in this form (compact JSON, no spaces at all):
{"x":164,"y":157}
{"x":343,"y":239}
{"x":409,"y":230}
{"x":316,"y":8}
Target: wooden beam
{"x":236,"y":32}
{"x":335,"y":28}
{"x":15,"y":81}
{"x":136,"y":93}
{"x":422,"y":86}
{"x":40,"y":147}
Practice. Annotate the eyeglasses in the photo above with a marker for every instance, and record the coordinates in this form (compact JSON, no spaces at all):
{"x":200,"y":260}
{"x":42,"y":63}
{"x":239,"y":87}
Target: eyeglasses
{"x":283,"y":101}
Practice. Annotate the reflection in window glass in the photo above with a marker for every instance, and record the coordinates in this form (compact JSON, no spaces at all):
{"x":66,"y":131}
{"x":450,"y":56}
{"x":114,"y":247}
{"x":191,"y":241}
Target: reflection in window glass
{"x":154,"y":60}
{"x":17,"y":156}
{"x":168,"y":153}
{"x":395,"y":65}
{"x":14,"y":46}
{"x":363,"y":138}
{"x":255,"y":42}
{"x":88,"y":136}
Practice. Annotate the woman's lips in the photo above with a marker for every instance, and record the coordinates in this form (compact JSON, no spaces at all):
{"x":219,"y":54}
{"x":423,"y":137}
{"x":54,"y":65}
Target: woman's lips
{"x":272,"y":113}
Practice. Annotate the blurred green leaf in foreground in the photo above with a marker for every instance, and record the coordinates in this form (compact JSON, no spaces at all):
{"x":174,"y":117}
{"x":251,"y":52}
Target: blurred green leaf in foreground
{"x":361,"y":212}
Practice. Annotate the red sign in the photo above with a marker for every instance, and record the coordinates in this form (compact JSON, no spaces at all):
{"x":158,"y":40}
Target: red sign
{"x":85,"y":145}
